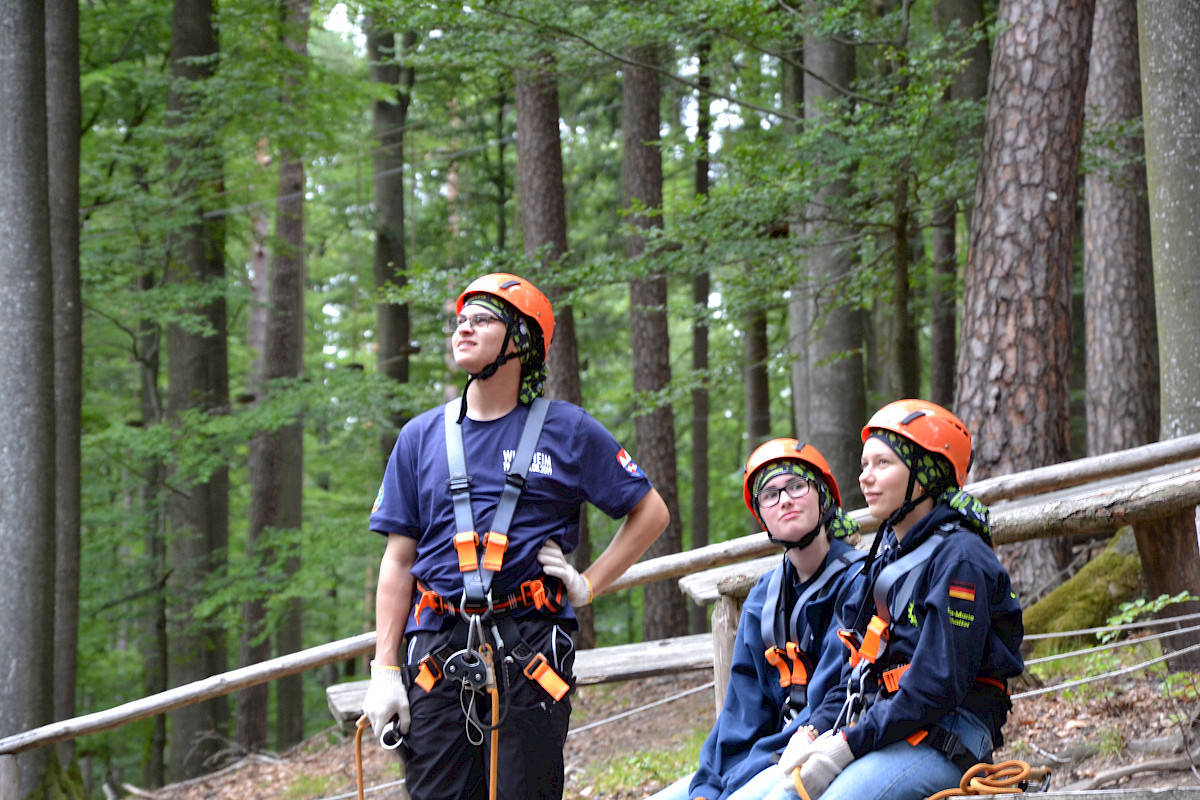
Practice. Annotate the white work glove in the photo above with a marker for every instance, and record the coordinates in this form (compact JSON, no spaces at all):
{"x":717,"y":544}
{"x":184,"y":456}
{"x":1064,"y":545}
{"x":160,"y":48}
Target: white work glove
{"x":386,"y":699}
{"x":579,"y":588}
{"x":797,"y":749}
{"x":826,"y":759}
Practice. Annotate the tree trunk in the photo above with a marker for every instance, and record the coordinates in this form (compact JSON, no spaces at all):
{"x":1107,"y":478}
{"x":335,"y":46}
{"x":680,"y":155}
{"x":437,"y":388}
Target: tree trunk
{"x":954,"y":18}
{"x":1122,"y":345}
{"x":64,"y":122}
{"x":388,"y":118}
{"x":1169,"y":38}
{"x":198,"y":379}
{"x":286,"y":336}
{"x":837,"y":396}
{"x":27,"y":425}
{"x":544,"y":231}
{"x":1013,"y":359}
{"x":755,"y":379}
{"x":152,"y":505}
{"x":697,"y":614}
{"x":664,"y":614}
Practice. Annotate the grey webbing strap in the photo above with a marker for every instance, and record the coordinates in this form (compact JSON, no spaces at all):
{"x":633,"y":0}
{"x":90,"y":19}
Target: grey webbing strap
{"x":460,"y":482}
{"x":906,"y":565}
{"x":514,"y":481}
{"x":478,"y":582}
{"x":774,"y":631}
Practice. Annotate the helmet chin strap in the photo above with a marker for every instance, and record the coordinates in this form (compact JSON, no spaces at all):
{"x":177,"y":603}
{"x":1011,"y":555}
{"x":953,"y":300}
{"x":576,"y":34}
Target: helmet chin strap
{"x":807,"y":538}
{"x":487,"y":371}
{"x":909,"y":503}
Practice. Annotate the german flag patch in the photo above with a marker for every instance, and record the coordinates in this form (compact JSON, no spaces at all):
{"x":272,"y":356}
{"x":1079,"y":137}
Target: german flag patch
{"x":962,"y":591}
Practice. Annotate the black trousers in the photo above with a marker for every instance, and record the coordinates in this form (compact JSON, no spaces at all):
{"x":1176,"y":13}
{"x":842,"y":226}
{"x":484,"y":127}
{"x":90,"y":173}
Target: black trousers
{"x":448,"y":760}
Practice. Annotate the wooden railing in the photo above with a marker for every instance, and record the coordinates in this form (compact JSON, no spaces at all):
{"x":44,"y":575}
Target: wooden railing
{"x":1150,"y":482}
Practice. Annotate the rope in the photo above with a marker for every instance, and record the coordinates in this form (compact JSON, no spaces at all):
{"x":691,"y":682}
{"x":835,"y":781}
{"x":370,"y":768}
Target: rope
{"x":1007,"y":777}
{"x":362,"y":725}
{"x":1149,"y":623}
{"x":1113,"y":674}
{"x":640,"y":709}
{"x":1112,"y":645}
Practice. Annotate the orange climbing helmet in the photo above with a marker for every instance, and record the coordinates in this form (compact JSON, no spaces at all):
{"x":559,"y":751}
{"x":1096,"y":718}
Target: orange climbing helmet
{"x":519,"y":292}
{"x":786,"y":449}
{"x":930,"y":426}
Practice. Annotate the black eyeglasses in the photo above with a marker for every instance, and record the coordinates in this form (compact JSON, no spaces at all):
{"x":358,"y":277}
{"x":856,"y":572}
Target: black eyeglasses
{"x":478,"y":322}
{"x":795,"y":489}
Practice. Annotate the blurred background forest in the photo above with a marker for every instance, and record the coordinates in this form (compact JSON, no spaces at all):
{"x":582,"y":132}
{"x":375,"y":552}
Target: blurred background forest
{"x":234,"y":230}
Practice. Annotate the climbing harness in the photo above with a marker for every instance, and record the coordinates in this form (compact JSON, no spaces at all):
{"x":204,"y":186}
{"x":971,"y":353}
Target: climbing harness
{"x":873,"y":675}
{"x":788,"y":638}
{"x":1007,"y":777}
{"x":867,"y":648}
{"x":485,"y":643}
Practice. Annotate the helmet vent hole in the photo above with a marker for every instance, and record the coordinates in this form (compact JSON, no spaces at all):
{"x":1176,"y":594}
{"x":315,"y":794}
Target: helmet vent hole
{"x":912,"y":417}
{"x":509,"y":284}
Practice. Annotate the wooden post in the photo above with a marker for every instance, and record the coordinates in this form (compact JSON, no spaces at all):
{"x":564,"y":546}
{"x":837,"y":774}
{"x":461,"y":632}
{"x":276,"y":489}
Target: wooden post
{"x":10,"y":779}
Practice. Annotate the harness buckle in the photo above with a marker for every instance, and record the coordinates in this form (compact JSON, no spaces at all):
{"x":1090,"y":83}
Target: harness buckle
{"x":428,"y":673}
{"x":876,"y":639}
{"x":465,"y":544}
{"x":494,"y":545}
{"x":459,"y":482}
{"x":775,"y":657}
{"x":539,"y":670}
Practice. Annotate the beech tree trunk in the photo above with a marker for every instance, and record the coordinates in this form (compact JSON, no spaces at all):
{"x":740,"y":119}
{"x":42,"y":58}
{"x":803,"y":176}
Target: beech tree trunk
{"x":954,"y":18}
{"x":388,"y":118}
{"x":837,"y":395}
{"x":1169,"y":40}
{"x":27,"y":425}
{"x":198,"y":378}
{"x":64,"y":122}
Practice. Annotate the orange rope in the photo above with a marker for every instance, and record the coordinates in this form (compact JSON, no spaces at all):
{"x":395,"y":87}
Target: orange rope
{"x":1007,"y":777}
{"x":363,"y":724}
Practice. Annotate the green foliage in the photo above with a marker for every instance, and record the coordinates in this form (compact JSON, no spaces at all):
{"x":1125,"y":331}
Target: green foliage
{"x":144,"y":181}
{"x":1133,"y":610}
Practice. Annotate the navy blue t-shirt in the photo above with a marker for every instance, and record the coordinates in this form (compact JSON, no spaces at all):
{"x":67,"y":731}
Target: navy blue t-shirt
{"x":576,"y":460}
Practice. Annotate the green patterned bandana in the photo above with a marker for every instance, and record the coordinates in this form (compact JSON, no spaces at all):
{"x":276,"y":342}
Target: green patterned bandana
{"x":836,"y":522}
{"x":932,"y":471}
{"x":526,"y":337}
{"x":973,"y":512}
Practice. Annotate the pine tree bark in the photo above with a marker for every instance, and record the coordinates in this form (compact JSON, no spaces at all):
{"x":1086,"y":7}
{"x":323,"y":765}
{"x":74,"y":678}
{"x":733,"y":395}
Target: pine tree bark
{"x":543,"y":205}
{"x":697,"y":615}
{"x":664,"y":614}
{"x":1013,"y":359}
{"x":27,"y":425}
{"x":1122,"y":344}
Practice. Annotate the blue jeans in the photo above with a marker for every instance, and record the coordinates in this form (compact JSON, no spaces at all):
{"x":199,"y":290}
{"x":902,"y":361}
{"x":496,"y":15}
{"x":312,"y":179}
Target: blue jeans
{"x":901,"y":771}
{"x":755,"y":789}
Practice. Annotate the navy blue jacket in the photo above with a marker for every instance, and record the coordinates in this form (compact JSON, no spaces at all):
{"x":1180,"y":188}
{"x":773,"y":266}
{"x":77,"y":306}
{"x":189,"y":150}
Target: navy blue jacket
{"x":961,"y":632}
{"x":750,"y":728}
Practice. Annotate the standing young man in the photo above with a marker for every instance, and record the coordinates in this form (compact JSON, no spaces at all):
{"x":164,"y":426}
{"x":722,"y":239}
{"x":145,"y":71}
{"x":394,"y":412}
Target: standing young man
{"x":480,"y":500}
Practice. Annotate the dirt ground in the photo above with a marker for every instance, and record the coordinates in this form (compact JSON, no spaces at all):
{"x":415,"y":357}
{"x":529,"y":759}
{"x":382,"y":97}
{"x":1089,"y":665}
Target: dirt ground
{"x":1124,"y":735}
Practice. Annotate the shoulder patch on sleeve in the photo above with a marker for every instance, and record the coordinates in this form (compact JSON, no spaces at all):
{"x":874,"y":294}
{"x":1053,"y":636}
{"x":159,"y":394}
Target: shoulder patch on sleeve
{"x":960,"y":590}
{"x":627,"y":463}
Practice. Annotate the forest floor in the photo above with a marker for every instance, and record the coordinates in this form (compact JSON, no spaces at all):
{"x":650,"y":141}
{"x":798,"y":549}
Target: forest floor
{"x":1125,"y":734}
